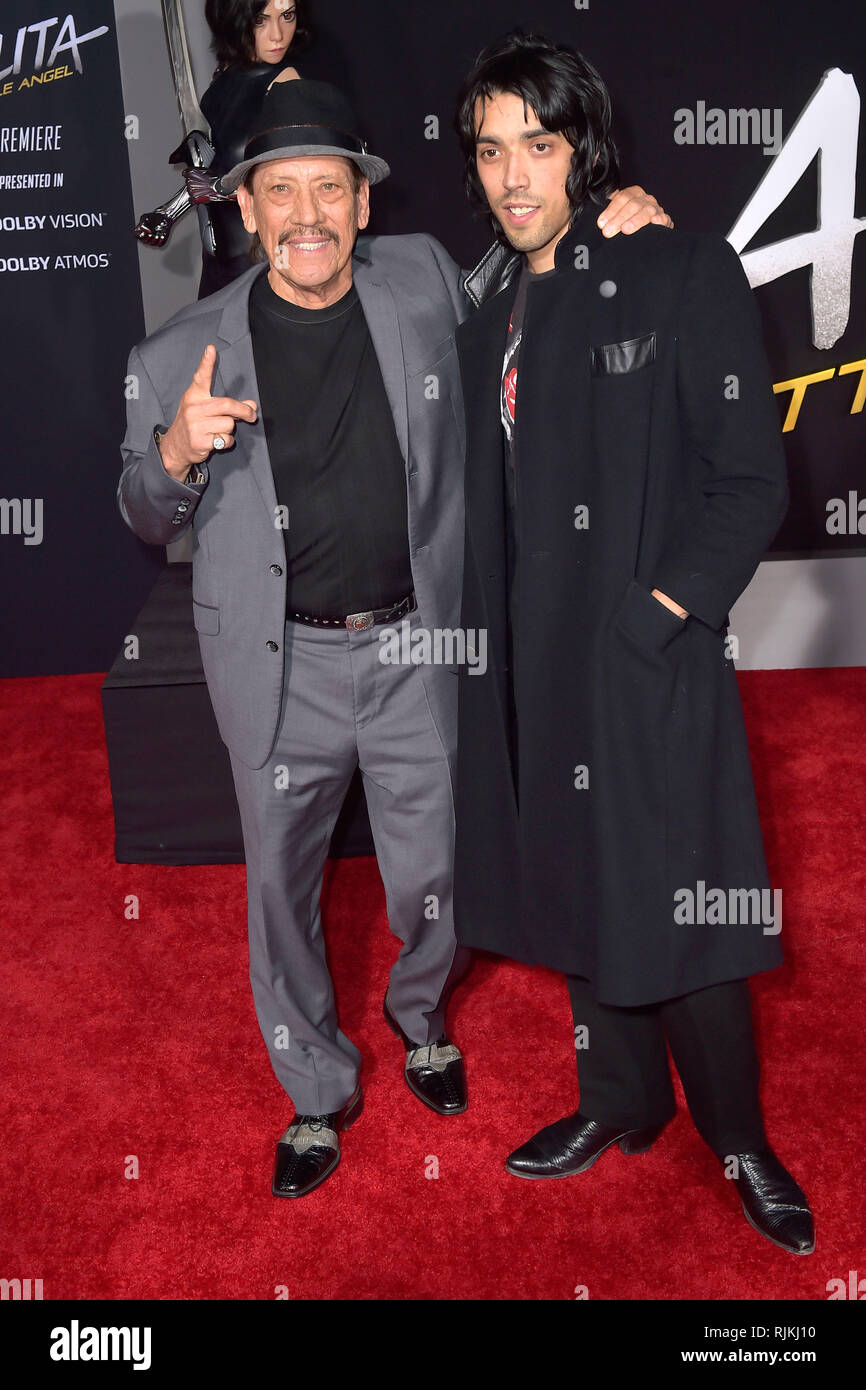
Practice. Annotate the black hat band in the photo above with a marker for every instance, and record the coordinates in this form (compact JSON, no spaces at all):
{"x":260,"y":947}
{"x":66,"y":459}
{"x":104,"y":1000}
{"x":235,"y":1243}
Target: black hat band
{"x":279,"y":137}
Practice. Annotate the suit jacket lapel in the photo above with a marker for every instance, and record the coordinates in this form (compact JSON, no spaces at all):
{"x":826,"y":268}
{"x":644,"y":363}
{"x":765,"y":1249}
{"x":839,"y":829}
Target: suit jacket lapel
{"x":380,"y":311}
{"x":236,"y":376}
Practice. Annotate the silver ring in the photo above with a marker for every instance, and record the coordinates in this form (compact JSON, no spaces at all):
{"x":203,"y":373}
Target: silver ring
{"x":218,"y":442}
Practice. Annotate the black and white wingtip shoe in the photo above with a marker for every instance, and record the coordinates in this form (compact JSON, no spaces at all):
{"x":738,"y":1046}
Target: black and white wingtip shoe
{"x":434,"y":1072}
{"x":309,"y":1151}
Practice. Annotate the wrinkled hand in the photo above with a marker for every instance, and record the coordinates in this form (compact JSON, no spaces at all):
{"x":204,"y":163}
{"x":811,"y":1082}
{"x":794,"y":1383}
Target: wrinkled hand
{"x":153,"y":228}
{"x":631,"y":208}
{"x":200,"y":416}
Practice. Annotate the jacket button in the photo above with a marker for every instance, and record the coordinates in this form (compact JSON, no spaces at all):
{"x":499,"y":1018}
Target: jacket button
{"x":272,"y":646}
{"x":276,"y":569}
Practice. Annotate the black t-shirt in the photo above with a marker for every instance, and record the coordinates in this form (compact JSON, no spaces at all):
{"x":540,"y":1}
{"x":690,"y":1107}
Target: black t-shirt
{"x":336,"y":460}
{"x":508,"y":394}
{"x":513,"y":339}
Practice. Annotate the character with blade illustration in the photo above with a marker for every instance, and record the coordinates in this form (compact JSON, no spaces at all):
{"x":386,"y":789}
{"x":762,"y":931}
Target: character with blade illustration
{"x":252,"y":40}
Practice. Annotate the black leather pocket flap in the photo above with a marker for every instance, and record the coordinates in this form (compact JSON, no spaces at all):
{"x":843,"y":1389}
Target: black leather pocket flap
{"x":615,"y":359}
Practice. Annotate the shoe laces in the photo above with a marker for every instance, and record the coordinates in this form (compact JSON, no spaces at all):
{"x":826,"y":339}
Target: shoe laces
{"x":315,"y":1123}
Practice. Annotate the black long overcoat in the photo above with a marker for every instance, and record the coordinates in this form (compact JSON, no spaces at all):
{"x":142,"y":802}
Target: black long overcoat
{"x":643,"y":397}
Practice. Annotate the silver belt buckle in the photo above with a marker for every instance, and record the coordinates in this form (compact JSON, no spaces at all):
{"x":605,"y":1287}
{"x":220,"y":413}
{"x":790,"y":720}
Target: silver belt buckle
{"x":359,"y":622}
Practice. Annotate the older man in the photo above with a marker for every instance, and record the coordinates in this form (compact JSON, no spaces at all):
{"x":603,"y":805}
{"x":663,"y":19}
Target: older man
{"x":316,"y":454}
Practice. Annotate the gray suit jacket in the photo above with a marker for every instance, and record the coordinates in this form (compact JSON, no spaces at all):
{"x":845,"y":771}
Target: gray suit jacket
{"x":412,"y":297}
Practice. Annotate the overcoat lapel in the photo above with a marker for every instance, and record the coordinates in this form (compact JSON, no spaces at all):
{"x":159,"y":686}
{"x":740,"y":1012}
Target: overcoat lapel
{"x":481,"y":345}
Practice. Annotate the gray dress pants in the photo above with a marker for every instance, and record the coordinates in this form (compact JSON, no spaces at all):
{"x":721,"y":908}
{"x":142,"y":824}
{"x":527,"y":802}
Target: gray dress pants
{"x":342,"y":707}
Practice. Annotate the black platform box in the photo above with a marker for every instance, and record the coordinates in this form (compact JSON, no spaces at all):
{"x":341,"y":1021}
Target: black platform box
{"x":171,"y":782}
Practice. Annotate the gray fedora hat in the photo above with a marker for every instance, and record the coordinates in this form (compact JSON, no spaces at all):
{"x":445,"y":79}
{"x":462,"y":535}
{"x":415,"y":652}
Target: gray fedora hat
{"x":304,"y":118}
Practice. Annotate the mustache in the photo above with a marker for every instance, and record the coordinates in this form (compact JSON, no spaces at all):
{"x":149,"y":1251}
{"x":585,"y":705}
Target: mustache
{"x":310,"y":233}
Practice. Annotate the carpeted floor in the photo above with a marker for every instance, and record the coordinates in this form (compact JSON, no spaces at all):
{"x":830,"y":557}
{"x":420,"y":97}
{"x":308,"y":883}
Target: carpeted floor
{"x":131,"y":1046}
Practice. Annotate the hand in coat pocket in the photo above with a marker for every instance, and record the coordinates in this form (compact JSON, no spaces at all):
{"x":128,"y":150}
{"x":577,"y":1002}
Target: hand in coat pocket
{"x":646,"y":620}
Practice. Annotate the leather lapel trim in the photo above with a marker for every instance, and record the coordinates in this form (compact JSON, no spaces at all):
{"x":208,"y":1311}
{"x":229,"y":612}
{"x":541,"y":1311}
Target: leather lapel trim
{"x":493,"y":273}
{"x":481,"y":344}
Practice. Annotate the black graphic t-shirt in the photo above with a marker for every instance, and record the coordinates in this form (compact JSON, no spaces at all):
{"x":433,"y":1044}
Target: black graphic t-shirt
{"x":508,"y":394}
{"x":514,"y":336}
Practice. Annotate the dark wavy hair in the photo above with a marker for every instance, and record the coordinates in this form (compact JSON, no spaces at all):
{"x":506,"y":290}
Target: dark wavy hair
{"x":232,"y":23}
{"x":567,"y":95}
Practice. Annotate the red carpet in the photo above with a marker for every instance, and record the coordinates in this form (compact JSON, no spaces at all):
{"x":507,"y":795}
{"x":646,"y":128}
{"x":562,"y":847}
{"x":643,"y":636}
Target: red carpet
{"x":138,"y":1038}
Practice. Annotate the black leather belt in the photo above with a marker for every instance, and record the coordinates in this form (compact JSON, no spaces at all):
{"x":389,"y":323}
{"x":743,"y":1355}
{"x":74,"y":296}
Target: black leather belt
{"x":359,"y":622}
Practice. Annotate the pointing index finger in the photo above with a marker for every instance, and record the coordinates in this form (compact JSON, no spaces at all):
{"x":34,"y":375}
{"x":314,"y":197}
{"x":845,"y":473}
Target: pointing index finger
{"x":202,"y":377}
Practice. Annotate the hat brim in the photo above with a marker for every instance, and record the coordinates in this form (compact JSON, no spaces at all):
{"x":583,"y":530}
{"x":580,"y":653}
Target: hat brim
{"x":371,"y":166}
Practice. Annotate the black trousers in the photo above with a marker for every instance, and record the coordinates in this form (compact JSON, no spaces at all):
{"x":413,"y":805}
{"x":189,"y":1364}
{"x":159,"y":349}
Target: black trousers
{"x":623,"y":1066}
